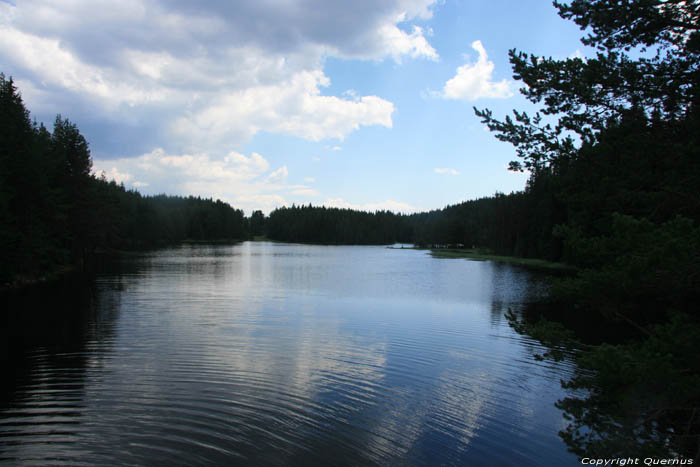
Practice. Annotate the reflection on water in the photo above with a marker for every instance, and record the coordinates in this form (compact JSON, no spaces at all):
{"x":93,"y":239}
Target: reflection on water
{"x":281,"y":354}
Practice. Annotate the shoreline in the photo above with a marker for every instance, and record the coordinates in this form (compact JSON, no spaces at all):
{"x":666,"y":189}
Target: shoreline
{"x":476,"y":255}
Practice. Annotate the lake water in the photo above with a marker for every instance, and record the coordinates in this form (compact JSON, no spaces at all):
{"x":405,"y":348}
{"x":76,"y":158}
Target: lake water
{"x":268,"y":353}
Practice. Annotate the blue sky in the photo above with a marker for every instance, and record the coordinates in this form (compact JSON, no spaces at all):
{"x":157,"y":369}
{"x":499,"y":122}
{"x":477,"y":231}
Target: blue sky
{"x":262,"y":103}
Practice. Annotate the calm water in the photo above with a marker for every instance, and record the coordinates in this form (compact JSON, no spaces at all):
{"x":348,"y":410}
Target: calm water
{"x":283,"y":354}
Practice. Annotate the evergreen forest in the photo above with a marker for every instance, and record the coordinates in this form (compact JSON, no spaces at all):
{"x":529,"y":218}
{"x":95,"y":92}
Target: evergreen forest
{"x":56,"y":216}
{"x":613,"y":157}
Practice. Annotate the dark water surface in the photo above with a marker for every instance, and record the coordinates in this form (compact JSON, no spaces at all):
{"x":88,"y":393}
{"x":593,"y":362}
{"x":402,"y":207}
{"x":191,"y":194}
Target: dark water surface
{"x":283,"y":354}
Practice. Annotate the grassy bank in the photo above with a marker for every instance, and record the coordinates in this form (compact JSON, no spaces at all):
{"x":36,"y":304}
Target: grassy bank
{"x":479,"y":255}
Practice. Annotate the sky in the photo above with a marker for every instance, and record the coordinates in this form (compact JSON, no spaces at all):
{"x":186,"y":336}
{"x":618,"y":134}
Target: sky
{"x":264,"y":103}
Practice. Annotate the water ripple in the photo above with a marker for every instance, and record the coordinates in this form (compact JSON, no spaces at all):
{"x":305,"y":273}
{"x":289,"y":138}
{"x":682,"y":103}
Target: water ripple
{"x":277,"y":354}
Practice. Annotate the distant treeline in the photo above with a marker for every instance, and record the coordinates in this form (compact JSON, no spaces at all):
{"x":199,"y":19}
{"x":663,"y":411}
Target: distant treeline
{"x":310,"y":224}
{"x":54,"y":214}
{"x":516,"y":224}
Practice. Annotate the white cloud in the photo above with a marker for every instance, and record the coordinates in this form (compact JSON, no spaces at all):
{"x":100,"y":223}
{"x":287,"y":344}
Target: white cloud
{"x":294,"y":107}
{"x":114,"y":174}
{"x":388,"y":205}
{"x":474,"y":80}
{"x":68,"y":72}
{"x":309,"y":179}
{"x":203,"y":77}
{"x":198,"y":80}
{"x":446,"y":171}
{"x":265,"y":202}
{"x":400,"y":43}
{"x":245,"y":182}
{"x":279,"y":175}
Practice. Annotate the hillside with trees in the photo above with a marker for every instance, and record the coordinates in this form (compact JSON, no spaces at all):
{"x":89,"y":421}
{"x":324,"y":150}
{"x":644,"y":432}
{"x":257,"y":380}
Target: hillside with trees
{"x":56,"y":216}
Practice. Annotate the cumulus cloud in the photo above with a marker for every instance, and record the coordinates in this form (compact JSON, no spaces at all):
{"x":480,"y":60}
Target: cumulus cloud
{"x":400,"y":43}
{"x":168,"y":90}
{"x":279,"y":175}
{"x":193,"y":77}
{"x":63,"y":69}
{"x":446,"y":171}
{"x":474,"y":80}
{"x":113,"y":173}
{"x":245,"y":182}
{"x":293,"y":107}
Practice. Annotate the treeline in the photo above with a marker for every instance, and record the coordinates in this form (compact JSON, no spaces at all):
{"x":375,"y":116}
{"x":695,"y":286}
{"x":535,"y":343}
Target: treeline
{"x":56,"y":215}
{"x":131,"y":221}
{"x":308,"y":224}
{"x":516,"y":224}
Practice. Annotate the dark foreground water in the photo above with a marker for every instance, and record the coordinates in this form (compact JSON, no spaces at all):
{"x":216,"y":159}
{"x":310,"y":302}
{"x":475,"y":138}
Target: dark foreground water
{"x":281,"y":354}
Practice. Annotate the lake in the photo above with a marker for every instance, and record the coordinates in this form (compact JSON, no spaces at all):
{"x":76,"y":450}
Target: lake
{"x":267,"y":353}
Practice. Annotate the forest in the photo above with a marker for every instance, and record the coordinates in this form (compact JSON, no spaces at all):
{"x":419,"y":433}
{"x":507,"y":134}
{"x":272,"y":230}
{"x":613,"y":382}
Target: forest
{"x":57,"y":216}
{"x":613,"y":157}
